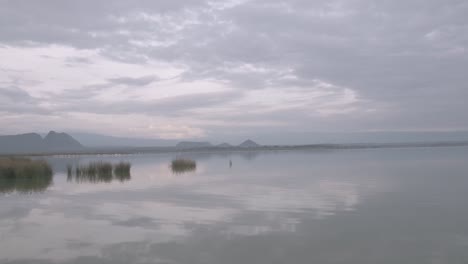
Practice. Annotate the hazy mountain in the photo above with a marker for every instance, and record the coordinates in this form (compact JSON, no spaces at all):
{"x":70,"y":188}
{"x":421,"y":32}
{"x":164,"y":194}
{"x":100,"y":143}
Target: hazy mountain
{"x":97,"y":140}
{"x":248,"y":144}
{"x":21,"y":143}
{"x":304,"y":138}
{"x":224,"y":145}
{"x":61,"y":141}
{"x":193,"y":144}
{"x":34,"y":143}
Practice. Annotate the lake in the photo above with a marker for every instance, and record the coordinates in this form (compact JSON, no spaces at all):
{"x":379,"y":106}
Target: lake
{"x":402,"y":205}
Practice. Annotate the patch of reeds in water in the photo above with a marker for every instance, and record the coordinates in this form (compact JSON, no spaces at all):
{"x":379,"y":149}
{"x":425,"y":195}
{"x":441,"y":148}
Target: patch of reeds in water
{"x":96,"y":172}
{"x":122,"y":171}
{"x":183,"y":165}
{"x":24,"y":175}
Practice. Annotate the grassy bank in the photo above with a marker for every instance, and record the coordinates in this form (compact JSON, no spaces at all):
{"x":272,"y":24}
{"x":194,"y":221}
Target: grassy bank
{"x":24,"y":175}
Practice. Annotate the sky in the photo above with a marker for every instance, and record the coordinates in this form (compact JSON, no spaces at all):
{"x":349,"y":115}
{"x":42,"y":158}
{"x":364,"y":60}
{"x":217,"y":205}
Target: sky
{"x":196,"y":69}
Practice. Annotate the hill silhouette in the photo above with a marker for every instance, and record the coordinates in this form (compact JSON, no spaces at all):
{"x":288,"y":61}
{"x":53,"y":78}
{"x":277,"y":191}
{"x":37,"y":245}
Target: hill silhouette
{"x":224,"y":145}
{"x":61,"y":141}
{"x":193,"y":144}
{"x":249,"y":144}
{"x":34,"y":143}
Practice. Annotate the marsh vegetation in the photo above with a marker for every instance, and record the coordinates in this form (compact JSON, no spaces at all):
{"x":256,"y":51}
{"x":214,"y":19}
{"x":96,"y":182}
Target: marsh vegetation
{"x":183,"y":165}
{"x":24,"y":175}
{"x":99,"y":172}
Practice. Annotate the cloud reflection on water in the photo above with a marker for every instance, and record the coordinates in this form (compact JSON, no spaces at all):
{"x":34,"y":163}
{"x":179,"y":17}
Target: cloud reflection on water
{"x":160,"y":210}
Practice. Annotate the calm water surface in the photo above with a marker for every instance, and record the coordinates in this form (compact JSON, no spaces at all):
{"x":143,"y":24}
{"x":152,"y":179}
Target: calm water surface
{"x":348,"y":206}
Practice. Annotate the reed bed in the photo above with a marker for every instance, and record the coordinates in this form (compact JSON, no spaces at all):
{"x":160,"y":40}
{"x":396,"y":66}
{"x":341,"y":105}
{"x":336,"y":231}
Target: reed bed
{"x":24,"y":175}
{"x":183,"y":165}
{"x":99,"y":172}
{"x":122,"y":170}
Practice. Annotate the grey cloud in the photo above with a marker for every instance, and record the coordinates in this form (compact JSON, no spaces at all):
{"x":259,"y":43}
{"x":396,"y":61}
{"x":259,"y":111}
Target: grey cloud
{"x":92,"y":90}
{"x":16,"y":100}
{"x":173,"y":106}
{"x":408,"y":59}
{"x":83,"y":24}
{"x":78,"y":60}
{"x":15,"y":94}
{"x":138,"y":81}
{"x":83,"y":94}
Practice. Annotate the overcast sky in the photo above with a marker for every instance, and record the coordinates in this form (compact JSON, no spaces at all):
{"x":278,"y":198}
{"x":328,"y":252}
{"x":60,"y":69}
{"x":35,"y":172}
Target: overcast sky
{"x":220,"y":69}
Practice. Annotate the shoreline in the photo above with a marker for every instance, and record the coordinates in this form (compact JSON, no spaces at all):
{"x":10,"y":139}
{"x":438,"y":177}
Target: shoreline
{"x":149,"y":150}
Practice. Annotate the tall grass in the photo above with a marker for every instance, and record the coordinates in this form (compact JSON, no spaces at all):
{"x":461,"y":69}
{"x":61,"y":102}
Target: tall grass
{"x":122,"y":170}
{"x":183,"y":165}
{"x":99,"y":172}
{"x":69,"y":170}
{"x":24,"y":175}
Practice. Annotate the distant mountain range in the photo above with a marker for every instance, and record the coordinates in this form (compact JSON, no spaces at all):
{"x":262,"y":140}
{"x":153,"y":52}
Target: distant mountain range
{"x":99,"y":141}
{"x":249,"y":144}
{"x":53,"y":142}
{"x":34,"y":143}
{"x":103,"y":141}
{"x":195,"y":144}
{"x":224,"y":145}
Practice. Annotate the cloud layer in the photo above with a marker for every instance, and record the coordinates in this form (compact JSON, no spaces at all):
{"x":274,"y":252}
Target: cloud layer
{"x":217,"y":69}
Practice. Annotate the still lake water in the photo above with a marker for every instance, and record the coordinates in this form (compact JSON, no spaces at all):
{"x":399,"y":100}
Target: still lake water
{"x":339,"y":206}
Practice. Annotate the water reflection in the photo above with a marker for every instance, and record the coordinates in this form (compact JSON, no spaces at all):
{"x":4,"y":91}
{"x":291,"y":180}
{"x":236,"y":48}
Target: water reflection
{"x":183,"y":165}
{"x":24,"y":175}
{"x":96,"y":172}
{"x":288,"y":207}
